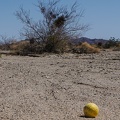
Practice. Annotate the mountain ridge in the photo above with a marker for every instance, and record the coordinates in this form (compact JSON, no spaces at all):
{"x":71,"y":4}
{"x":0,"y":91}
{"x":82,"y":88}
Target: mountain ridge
{"x":89,"y":40}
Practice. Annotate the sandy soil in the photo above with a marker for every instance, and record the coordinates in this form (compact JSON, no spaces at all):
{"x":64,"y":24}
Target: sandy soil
{"x":56,"y":87}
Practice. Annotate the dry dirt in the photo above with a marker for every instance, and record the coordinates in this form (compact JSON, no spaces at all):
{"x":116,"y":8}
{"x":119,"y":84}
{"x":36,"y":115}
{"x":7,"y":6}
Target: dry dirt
{"x":56,"y":87}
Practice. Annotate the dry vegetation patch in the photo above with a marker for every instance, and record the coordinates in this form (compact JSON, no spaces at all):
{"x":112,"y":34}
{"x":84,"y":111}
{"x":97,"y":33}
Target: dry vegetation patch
{"x":86,"y":48}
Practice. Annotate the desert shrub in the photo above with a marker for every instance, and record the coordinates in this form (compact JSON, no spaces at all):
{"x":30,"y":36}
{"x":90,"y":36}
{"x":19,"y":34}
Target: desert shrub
{"x":20,"y":47}
{"x":117,"y":48}
{"x":56,"y":45}
{"x":58,"y":25}
{"x":4,"y":46}
{"x":100,"y":45}
{"x":112,"y":42}
{"x":25,"y":48}
{"x":6,"y":42}
{"x":86,"y":48}
{"x":52,"y":45}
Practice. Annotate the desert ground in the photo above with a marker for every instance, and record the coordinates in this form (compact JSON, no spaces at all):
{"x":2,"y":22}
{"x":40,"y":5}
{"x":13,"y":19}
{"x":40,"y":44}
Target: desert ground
{"x":57,"y":87}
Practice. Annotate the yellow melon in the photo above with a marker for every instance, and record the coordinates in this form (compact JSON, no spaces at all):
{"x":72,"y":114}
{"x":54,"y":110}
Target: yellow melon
{"x":91,"y":110}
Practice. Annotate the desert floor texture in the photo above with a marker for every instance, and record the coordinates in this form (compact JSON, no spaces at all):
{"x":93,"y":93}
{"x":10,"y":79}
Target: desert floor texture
{"x":57,"y":87}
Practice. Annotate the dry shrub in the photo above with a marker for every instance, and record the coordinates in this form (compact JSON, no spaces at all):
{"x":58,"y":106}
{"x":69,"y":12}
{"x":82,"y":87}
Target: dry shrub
{"x":117,"y":48}
{"x":25,"y":48}
{"x":56,"y":46}
{"x":86,"y":48}
{"x":19,"y":45}
{"x":19,"y":48}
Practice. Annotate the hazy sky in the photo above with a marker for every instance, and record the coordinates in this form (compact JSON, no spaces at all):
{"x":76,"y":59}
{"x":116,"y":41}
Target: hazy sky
{"x":102,"y":15}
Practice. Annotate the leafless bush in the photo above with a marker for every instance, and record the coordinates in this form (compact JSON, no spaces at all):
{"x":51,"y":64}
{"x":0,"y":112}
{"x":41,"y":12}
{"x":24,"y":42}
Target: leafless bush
{"x":5,"y":42}
{"x":56,"y":28}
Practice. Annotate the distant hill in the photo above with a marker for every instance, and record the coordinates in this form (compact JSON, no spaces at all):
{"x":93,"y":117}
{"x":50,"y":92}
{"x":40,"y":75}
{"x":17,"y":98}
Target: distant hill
{"x":88,"y":40}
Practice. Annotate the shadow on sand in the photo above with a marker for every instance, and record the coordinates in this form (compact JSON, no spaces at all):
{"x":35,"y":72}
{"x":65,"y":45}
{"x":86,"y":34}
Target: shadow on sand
{"x":83,"y":116}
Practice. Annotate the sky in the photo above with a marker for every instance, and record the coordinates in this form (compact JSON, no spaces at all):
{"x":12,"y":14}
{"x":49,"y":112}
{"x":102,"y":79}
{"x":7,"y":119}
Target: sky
{"x":103,"y":16}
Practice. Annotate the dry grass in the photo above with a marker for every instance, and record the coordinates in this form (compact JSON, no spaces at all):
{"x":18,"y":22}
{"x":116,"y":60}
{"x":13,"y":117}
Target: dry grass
{"x":87,"y":48}
{"x":19,"y":45}
{"x":20,"y":48}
